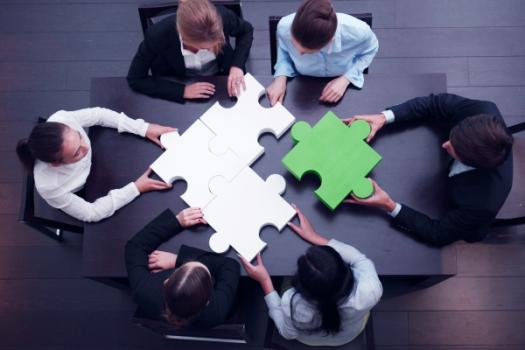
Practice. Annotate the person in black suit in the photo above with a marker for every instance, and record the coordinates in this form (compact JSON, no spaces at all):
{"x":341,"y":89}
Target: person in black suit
{"x":193,"y":289}
{"x":480,"y":175}
{"x":194,"y":42}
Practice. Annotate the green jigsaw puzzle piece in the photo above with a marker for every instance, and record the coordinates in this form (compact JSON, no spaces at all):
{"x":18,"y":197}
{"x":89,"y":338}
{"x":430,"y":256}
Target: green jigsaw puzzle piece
{"x":338,"y":154}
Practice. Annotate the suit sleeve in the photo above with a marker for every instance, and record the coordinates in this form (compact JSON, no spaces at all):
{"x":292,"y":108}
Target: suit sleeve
{"x":456,"y":224}
{"x":242,"y":31}
{"x":226,"y":273}
{"x":139,"y":79}
{"x":444,"y":107}
{"x":161,"y":229}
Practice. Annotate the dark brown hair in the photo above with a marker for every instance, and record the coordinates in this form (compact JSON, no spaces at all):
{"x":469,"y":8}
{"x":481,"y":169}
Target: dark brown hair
{"x":314,"y":24}
{"x":481,"y":141}
{"x":44,"y":143}
{"x":187,"y":291}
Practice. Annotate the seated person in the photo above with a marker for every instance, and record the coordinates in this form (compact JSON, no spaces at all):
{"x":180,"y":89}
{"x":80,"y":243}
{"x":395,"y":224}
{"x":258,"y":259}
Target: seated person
{"x":317,"y":42}
{"x":334,"y":289}
{"x":479,"y":175}
{"x":194,"y":42}
{"x":58,"y":153}
{"x":193,"y":289}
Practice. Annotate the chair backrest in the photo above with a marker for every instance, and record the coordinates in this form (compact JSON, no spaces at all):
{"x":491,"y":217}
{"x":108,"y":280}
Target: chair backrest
{"x":234,"y":333}
{"x":272,"y":26}
{"x":513,"y":210}
{"x":148,"y":12}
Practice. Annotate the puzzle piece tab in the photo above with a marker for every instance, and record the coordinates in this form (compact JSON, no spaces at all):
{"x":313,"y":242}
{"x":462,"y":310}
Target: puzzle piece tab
{"x":241,"y":125}
{"x":242,"y":208}
{"x":196,"y":157}
{"x":337,"y":154}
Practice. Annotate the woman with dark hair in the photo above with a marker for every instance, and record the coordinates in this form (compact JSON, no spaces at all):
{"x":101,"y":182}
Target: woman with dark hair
{"x":191,"y":289}
{"x":58,"y":153}
{"x":194,"y":42}
{"x":332,"y":292}
{"x":317,"y":41}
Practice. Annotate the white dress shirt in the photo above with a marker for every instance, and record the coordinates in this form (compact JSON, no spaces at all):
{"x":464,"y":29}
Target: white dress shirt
{"x":202,"y":62}
{"x":58,"y":184}
{"x":354,"y":310}
{"x":455,"y":169}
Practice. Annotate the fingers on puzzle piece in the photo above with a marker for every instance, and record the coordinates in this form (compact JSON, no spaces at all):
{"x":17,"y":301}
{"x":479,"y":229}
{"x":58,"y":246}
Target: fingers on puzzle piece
{"x":169,"y":139}
{"x":359,"y":129}
{"x":363,"y":188}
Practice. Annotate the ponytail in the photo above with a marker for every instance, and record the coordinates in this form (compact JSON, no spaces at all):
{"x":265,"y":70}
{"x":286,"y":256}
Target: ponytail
{"x":44,"y":143}
{"x":324,"y":280}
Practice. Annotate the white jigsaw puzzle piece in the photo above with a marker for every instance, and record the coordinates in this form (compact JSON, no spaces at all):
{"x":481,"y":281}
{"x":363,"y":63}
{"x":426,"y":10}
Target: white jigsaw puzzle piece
{"x":242,"y":124}
{"x":242,"y":207}
{"x":189,"y":157}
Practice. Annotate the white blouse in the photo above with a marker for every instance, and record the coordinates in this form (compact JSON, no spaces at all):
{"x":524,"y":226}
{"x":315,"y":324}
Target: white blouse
{"x":354,"y":310}
{"x":58,"y":184}
{"x":202,"y":62}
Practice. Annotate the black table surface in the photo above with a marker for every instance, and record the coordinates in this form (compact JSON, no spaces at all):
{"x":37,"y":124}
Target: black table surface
{"x":412,"y":170}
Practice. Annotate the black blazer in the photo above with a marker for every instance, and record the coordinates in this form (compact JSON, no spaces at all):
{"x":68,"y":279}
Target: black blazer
{"x":148,"y":287}
{"x":475,"y":196}
{"x":160,"y":52}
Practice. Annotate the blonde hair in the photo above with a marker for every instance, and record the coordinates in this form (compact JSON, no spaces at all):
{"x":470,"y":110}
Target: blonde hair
{"x":199,"y":21}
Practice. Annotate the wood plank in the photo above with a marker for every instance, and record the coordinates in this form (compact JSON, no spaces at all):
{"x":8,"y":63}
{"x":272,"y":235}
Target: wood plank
{"x":467,"y":328}
{"x":70,"y":46}
{"x":12,"y":169}
{"x":37,"y":18}
{"x":15,"y":76}
{"x":497,"y":71}
{"x":40,"y":262}
{"x":431,"y":42}
{"x":480,"y":259}
{"x":459,"y":13}
{"x":462,"y":293}
{"x":15,"y":233}
{"x":390,"y":328}
{"x":28,"y":106}
{"x":11,"y":132}
{"x":448,"y":347}
{"x":79,"y":74}
{"x":10,"y":194}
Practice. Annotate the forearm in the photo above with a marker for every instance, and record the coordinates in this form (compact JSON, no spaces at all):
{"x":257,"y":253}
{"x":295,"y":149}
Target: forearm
{"x":362,"y":60}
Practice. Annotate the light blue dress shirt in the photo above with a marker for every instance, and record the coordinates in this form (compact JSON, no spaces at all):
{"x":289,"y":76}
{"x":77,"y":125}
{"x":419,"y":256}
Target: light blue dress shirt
{"x":350,"y":52}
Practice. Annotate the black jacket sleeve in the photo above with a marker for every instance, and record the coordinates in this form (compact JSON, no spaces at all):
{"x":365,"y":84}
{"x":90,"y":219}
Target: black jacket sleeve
{"x":448,"y":108}
{"x":468,"y":224}
{"x":226,"y":273}
{"x":139,"y":79}
{"x":242,"y":31}
{"x":161,"y":229}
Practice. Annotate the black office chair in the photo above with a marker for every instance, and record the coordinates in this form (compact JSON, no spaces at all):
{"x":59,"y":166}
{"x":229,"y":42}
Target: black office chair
{"x":513,"y":211}
{"x":148,"y":12}
{"x":365,"y":340}
{"x":36,"y":213}
{"x":245,"y":327}
{"x":274,"y":20}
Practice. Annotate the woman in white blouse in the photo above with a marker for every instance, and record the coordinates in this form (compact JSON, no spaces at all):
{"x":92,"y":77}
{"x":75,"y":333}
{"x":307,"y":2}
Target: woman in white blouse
{"x":334,"y":288}
{"x":58,"y":152}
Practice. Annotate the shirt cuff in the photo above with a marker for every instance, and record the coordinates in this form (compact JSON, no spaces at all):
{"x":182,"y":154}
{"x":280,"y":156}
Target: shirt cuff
{"x":389,"y":116}
{"x":396,"y":210}
{"x":273,"y":300}
{"x":134,"y":126}
{"x":132,"y":189}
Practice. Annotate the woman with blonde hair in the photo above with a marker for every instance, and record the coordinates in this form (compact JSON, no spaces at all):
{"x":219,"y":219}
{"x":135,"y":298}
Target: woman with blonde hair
{"x":194,"y":42}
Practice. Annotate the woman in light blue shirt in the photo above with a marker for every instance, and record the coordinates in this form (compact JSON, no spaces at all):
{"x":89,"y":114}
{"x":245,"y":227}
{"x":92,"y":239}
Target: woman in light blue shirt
{"x":317,"y":42}
{"x":333,"y":291}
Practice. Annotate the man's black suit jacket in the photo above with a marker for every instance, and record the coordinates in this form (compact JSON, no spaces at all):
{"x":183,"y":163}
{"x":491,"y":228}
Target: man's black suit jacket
{"x":148,"y":287}
{"x":160,"y":52}
{"x":475,"y":196}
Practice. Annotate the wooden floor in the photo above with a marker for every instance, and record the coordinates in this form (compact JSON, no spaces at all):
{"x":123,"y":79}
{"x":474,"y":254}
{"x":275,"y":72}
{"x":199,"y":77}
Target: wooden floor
{"x":50,"y":49}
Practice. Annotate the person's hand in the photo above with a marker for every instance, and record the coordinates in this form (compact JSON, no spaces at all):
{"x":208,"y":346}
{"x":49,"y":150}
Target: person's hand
{"x":190,"y":216}
{"x":258,"y":273}
{"x":276,"y":90}
{"x":145,"y":184}
{"x":235,"y":81}
{"x":376,"y":122}
{"x":155,"y":131}
{"x":334,"y":90}
{"x":199,"y":90}
{"x":305,"y":229}
{"x":160,"y":261}
{"x":380,"y":199}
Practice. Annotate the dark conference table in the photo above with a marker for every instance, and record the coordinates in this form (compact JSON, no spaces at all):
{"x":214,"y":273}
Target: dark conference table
{"x":412,"y":171}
